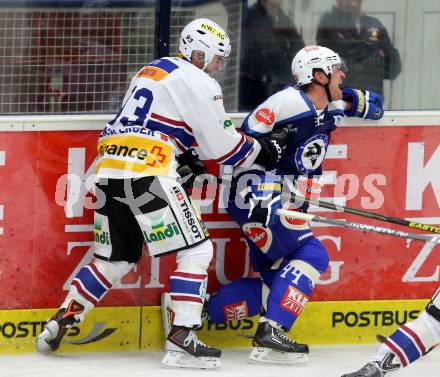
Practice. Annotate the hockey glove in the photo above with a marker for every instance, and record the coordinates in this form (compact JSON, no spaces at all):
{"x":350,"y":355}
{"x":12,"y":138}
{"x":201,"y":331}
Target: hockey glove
{"x":265,"y":199}
{"x":190,"y":166}
{"x":273,"y":146}
{"x":365,"y":103}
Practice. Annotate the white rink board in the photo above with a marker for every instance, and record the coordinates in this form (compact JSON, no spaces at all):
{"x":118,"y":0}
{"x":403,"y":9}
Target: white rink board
{"x":324,"y":362}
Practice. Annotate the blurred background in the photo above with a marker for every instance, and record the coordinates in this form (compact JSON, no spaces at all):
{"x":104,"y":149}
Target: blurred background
{"x":77,"y":56}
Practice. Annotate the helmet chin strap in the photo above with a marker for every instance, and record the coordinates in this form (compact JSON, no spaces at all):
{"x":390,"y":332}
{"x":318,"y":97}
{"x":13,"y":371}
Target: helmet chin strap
{"x":326,"y":87}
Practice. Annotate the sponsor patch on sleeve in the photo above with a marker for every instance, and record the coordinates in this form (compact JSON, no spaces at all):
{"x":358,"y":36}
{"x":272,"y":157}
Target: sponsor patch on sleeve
{"x":265,"y":116}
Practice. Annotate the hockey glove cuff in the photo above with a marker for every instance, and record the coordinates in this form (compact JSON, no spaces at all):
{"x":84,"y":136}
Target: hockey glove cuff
{"x":272,"y":146}
{"x":190,"y":166}
{"x":365,"y":103}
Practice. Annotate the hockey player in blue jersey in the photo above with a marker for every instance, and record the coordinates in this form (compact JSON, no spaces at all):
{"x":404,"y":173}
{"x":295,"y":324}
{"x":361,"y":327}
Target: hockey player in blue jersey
{"x":288,"y":257}
{"x":407,"y":344}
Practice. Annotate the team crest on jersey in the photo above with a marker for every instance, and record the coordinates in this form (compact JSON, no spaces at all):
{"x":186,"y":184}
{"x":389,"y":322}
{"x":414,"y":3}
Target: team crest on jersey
{"x":294,"y":300}
{"x":265,"y":116}
{"x":260,"y":236}
{"x":235,"y":312}
{"x":292,"y":223}
{"x":309,"y":156}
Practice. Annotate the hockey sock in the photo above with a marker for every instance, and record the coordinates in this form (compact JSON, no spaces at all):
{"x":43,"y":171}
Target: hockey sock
{"x":290,"y":292}
{"x":188,"y":284}
{"x":91,"y":284}
{"x":410,"y":341}
{"x":237,"y":300}
{"x":93,"y":281}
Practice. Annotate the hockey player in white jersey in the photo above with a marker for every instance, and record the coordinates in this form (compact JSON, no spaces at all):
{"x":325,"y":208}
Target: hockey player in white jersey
{"x":407,"y":344}
{"x":170,"y":104}
{"x":285,"y":252}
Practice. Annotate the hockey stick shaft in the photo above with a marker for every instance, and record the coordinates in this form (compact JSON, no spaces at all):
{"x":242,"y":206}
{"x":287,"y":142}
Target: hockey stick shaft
{"x":358,"y":226}
{"x":358,"y":212}
{"x":370,"y":215}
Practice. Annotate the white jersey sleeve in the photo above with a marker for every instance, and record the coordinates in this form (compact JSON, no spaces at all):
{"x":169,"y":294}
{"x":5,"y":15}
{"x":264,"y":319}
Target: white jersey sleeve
{"x":199,"y":99}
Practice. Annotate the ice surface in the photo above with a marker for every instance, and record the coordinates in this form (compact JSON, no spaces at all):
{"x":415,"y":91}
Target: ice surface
{"x":325,"y":361}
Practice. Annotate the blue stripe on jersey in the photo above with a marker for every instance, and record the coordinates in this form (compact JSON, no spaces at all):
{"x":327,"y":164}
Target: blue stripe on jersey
{"x":406,"y":344}
{"x":164,"y":64}
{"x":239,"y":154}
{"x":90,"y":283}
{"x":308,"y":102}
{"x":185,"y":286}
{"x":178,"y":133}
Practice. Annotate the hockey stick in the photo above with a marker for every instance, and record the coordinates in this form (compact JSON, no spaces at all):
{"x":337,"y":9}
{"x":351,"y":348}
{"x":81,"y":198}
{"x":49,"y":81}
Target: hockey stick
{"x":358,"y":226}
{"x":355,"y":211}
{"x":370,"y":215}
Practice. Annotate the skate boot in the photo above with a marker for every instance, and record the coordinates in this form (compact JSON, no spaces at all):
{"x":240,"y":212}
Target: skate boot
{"x":371,"y":369}
{"x":55,"y":329}
{"x":272,"y":345}
{"x":187,"y":351}
{"x":168,"y":315}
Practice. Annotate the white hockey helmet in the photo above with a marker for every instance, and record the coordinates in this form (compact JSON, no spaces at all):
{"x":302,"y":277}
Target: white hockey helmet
{"x":206,"y":36}
{"x":314,"y":57}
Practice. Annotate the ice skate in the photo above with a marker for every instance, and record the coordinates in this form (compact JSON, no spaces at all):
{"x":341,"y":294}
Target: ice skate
{"x":54,"y":331}
{"x":371,"y":369}
{"x":272,"y":345}
{"x":185,"y":350}
{"x":168,"y":315}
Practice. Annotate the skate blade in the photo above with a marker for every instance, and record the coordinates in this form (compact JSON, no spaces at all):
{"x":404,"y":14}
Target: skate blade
{"x":175,"y":359}
{"x":268,"y":355}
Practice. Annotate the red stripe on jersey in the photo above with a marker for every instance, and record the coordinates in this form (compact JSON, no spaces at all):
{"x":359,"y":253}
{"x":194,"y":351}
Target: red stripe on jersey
{"x":188,"y":275}
{"x":171,"y":121}
{"x":101,"y":277}
{"x":235,"y":149}
{"x":397,"y":352}
{"x":84,"y":293}
{"x":244,"y":158}
{"x":415,"y":337}
{"x":186,"y":298}
{"x":179,"y":144}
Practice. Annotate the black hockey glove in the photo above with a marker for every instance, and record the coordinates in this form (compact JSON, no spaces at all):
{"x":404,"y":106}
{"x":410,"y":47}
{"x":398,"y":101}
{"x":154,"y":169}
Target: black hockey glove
{"x":190,"y":166}
{"x":272,"y":146}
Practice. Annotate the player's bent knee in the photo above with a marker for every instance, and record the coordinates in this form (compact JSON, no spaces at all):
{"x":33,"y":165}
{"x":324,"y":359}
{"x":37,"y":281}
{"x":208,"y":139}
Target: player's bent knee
{"x":314,"y":254}
{"x":196,"y":258}
{"x":113,"y":271}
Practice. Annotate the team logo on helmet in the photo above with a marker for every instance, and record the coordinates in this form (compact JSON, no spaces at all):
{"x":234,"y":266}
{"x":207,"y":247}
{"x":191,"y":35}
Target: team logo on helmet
{"x":265,"y":116}
{"x":260,"y":236}
{"x":309,"y":156}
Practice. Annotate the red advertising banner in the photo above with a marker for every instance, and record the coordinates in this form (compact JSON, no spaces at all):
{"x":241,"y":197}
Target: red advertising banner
{"x":46,"y":234}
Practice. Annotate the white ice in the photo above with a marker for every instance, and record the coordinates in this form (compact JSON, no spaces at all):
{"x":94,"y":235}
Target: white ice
{"x":325,"y":361}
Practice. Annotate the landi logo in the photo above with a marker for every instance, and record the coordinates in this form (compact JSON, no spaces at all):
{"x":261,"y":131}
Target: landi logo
{"x":160,"y":232}
{"x":100,"y":236}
